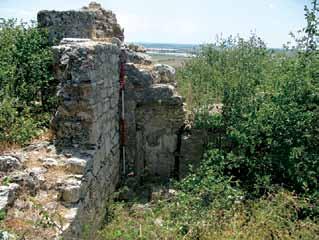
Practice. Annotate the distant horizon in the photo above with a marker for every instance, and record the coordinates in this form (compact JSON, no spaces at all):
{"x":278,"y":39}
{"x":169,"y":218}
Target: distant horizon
{"x":185,"y":21}
{"x":183,"y":44}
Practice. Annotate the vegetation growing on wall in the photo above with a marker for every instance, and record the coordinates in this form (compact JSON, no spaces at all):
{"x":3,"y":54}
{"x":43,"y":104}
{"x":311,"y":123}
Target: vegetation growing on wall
{"x":27,"y":87}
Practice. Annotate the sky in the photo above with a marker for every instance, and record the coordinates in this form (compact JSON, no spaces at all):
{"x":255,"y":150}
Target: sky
{"x":184,"y":21}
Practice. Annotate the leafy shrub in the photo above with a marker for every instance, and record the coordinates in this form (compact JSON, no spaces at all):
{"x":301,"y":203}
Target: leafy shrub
{"x":27,"y":87}
{"x":15,"y":127}
{"x":227,"y":62}
{"x":270,"y":108}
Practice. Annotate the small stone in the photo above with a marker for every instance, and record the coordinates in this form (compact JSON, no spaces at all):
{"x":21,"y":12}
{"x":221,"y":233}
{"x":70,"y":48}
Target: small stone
{"x":4,"y":235}
{"x":116,"y":41}
{"x":37,"y":171}
{"x":32,"y":183}
{"x":49,"y":162}
{"x":136,"y":48}
{"x":37,"y":146}
{"x":75,"y":165}
{"x":8,"y":163}
{"x":94,"y":6}
{"x":163,"y":73}
{"x":138,"y":58}
{"x":51,"y":148}
{"x":18,"y":177}
{"x":70,"y":191}
{"x":7,"y":195}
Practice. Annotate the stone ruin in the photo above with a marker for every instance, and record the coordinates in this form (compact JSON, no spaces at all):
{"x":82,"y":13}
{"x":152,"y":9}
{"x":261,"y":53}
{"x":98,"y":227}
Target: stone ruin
{"x":92,"y":22}
{"x":78,"y":174}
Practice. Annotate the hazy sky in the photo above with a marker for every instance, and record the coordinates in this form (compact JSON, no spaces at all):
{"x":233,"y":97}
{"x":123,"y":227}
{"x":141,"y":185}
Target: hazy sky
{"x":184,"y":21}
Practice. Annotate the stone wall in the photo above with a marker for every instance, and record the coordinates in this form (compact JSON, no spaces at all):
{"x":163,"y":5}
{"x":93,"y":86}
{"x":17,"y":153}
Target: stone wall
{"x":155,"y":114}
{"x":87,"y":120}
{"x":91,"y":22}
{"x":86,"y":125}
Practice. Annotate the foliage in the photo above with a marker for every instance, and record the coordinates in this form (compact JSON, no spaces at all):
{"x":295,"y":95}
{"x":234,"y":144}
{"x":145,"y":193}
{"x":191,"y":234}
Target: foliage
{"x":2,"y":214}
{"x":213,"y":210}
{"x":16,"y":127}
{"x":27,"y":86}
{"x":230,"y":62}
{"x":262,"y":182}
{"x":270,"y":113}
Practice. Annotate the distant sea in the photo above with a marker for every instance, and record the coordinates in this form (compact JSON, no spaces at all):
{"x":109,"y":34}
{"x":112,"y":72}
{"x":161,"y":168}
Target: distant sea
{"x":182,"y":50}
{"x":179,"y":50}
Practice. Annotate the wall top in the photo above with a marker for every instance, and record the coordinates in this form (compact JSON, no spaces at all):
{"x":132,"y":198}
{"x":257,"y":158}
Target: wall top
{"x":91,"y":22}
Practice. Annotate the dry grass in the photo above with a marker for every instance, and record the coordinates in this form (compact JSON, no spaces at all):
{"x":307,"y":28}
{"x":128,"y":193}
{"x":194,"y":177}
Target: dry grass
{"x":47,"y":135}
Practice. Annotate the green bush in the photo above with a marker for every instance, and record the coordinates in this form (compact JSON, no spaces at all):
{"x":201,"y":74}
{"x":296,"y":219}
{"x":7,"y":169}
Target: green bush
{"x":270,"y":116}
{"x":228,"y":62}
{"x":16,"y":127}
{"x":27,"y":87}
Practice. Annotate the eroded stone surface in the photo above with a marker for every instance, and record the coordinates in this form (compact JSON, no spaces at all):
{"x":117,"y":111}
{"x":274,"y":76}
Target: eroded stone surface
{"x":154,"y":114}
{"x":75,"y":176}
{"x":164,"y":73}
{"x":8,"y":163}
{"x":88,"y":118}
{"x":92,"y":22}
{"x":7,"y":195}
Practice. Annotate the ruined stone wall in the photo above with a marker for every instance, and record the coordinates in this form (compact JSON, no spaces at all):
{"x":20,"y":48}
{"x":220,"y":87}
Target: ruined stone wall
{"x":155,"y":114}
{"x":87,"y":120}
{"x":91,"y":22}
{"x":86,"y":125}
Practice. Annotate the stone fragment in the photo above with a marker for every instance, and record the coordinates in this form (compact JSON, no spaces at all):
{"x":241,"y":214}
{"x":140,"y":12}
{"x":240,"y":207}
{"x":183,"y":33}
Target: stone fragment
{"x":116,"y":41}
{"x":9,"y":163}
{"x":51,"y":149}
{"x":7,"y":195}
{"x":70,"y":191}
{"x":18,"y":177}
{"x":4,"y":235}
{"x":138,"y":78}
{"x":49,"y":162}
{"x":37,"y":146}
{"x":35,"y":171}
{"x":136,"y":48}
{"x":138,"y":58}
{"x":32,"y":184}
{"x":162,"y":94}
{"x":75,"y":165}
{"x":163,"y":73}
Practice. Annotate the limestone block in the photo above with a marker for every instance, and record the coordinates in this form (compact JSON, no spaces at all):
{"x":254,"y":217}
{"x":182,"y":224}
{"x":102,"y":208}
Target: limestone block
{"x":163,"y":73}
{"x":70,"y":191}
{"x":138,"y":58}
{"x":93,"y":23}
{"x":76,"y":165}
{"x":8,"y":163}
{"x":8,"y":195}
